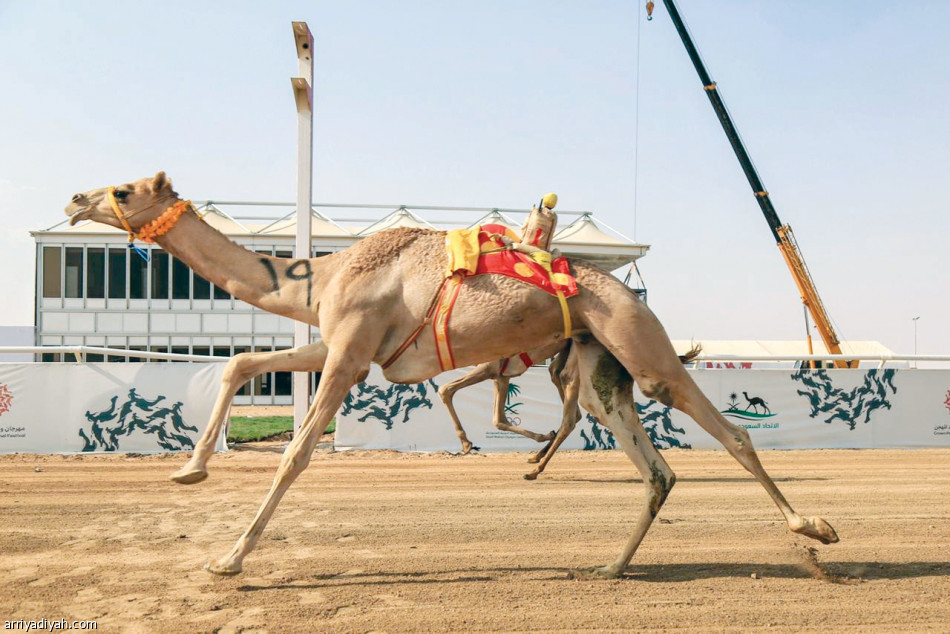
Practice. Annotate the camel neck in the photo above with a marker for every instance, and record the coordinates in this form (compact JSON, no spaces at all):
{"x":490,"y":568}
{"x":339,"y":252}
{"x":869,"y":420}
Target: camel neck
{"x":285,"y":286}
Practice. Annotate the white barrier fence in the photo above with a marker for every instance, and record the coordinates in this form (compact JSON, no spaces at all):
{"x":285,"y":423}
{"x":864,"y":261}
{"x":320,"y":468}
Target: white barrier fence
{"x":782,"y":409}
{"x":115,"y":407}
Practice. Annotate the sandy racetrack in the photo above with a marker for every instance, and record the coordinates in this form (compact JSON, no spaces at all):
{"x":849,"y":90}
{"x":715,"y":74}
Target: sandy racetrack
{"x":378,"y":541}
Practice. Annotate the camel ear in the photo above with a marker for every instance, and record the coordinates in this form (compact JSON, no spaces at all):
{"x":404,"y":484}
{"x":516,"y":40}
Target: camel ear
{"x":160,"y":183}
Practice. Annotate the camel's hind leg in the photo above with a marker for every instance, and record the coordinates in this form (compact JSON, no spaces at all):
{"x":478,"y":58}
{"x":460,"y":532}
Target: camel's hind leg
{"x":447,"y":392}
{"x":240,"y":369}
{"x":564,"y":375}
{"x":341,"y":373}
{"x":606,"y":390}
{"x":635,"y":337}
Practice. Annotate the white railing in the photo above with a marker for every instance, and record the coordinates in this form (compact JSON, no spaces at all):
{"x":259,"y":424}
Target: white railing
{"x":80,"y":351}
{"x":882,"y":358}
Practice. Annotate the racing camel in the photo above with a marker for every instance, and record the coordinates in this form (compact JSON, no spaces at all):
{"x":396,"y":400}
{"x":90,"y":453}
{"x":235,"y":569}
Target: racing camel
{"x":370,"y":299}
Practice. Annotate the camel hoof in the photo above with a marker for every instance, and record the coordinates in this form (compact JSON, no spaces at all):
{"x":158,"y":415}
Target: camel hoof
{"x":604,"y":572}
{"x":223,"y":570}
{"x":531,"y":476}
{"x":189,"y":476}
{"x":816,"y":528}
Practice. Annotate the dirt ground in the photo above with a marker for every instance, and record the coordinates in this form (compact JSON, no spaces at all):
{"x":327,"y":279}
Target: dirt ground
{"x":386,"y":542}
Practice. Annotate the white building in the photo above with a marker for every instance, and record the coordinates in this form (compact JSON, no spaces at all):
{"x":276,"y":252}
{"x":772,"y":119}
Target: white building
{"x":92,"y":290}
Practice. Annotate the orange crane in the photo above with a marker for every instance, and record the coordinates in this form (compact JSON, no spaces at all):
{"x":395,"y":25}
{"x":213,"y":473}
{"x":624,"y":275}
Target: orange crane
{"x":784,"y":237}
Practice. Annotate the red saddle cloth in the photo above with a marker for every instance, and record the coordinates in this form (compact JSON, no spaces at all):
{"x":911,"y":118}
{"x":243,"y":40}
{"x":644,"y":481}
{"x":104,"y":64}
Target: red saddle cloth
{"x":521,"y":266}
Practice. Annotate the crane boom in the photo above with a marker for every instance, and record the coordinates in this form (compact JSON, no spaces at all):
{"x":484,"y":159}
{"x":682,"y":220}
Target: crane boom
{"x":784,"y":238}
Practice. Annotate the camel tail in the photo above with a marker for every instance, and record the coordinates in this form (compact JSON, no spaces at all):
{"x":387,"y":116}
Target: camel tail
{"x":692,"y":354}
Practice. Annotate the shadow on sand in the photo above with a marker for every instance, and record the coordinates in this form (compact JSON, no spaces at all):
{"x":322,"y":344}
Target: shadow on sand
{"x":834,"y":572}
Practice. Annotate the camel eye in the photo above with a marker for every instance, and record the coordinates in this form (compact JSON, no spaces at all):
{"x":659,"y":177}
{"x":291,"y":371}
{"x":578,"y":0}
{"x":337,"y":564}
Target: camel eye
{"x":121,"y":195}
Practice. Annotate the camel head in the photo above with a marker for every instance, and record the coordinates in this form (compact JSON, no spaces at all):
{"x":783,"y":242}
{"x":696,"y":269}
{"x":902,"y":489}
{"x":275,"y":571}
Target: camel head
{"x":538,"y":229}
{"x":139,"y":202}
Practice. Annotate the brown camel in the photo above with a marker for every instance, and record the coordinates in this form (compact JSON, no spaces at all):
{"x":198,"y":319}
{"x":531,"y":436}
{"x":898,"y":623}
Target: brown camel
{"x":370,"y":298}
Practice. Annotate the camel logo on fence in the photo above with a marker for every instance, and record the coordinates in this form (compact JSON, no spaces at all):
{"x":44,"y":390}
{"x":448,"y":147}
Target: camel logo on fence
{"x":835,"y":403}
{"x":656,"y":420}
{"x":137,"y":414}
{"x":754,"y":407}
{"x":6,"y":399}
{"x":386,"y":405}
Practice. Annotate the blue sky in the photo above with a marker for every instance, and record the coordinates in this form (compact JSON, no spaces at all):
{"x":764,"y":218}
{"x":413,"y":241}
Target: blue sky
{"x":843,"y":106}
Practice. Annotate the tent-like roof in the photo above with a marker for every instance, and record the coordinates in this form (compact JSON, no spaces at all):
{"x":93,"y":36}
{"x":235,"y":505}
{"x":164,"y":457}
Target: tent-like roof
{"x":748,"y":349}
{"x":402,"y":217}
{"x":320,"y":227}
{"x":221,"y":221}
{"x":585,"y":238}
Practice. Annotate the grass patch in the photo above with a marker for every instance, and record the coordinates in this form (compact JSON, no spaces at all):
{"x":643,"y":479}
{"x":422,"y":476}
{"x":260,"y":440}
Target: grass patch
{"x":252,"y":428}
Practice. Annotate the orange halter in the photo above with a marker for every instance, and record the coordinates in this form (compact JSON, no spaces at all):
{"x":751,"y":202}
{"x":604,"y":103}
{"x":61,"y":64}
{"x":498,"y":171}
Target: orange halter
{"x":157,"y":227}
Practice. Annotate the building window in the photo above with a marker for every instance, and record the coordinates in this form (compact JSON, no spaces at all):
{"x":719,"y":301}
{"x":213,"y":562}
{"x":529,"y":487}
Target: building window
{"x":181,"y":280}
{"x":202,"y":287}
{"x":220,"y":293}
{"x":95,"y":272}
{"x":163,"y":349}
{"x":138,"y":278}
{"x":159,"y":275}
{"x":246,"y":388}
{"x":117,"y":273}
{"x":283,"y":382}
{"x":52,"y":272}
{"x":74,"y":271}
{"x":136,"y":359}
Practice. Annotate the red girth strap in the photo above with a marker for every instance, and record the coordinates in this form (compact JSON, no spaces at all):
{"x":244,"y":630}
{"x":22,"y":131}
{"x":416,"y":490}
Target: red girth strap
{"x":418,"y":331}
{"x":524,"y":359}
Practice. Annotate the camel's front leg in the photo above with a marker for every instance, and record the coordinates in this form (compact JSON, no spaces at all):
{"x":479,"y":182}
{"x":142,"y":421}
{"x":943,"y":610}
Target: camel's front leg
{"x":341,"y":372}
{"x":606,"y":390}
{"x":447,"y":392}
{"x":241,"y":369}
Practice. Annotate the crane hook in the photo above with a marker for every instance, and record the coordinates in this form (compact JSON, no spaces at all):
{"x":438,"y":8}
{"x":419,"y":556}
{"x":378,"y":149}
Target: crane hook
{"x":649,"y":10}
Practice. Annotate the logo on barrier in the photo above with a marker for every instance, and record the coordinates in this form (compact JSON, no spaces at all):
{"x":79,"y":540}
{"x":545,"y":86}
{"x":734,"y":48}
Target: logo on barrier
{"x":6,"y":399}
{"x":947,"y":401}
{"x":109,"y":426}
{"x":834,"y":403}
{"x":512,"y":408}
{"x":385,"y":406}
{"x":755,"y":408}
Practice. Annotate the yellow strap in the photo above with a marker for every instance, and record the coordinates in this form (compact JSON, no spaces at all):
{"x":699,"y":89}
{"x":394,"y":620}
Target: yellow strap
{"x":565,"y":313}
{"x":118,"y":214}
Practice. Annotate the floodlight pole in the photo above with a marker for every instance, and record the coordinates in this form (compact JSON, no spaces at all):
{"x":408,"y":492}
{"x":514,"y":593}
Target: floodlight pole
{"x":303,"y":96}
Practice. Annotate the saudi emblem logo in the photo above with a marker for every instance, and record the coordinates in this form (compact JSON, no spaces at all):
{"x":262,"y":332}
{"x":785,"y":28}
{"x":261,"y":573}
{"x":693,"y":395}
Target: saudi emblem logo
{"x":6,"y":399}
{"x":754,"y":407}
